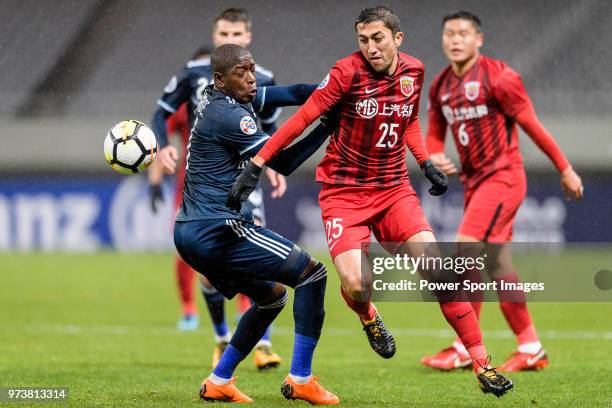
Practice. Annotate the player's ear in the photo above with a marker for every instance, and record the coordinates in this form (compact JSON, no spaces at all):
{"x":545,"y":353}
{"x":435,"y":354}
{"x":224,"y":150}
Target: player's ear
{"x":399,"y":37}
{"x":219,"y":80}
{"x":479,"y":39}
{"x":247,"y":38}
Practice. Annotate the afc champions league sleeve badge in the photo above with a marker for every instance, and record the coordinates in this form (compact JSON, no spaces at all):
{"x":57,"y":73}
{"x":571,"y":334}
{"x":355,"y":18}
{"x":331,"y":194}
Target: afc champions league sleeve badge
{"x":248,"y":125}
{"x":406,"y":86}
{"x":324,"y":82}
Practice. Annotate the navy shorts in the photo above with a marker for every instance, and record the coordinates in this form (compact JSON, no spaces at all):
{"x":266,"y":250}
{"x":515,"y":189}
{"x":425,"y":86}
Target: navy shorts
{"x":239,"y":257}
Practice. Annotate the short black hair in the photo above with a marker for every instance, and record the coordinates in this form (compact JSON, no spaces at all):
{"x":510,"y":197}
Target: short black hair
{"x":223,"y":58}
{"x":463,"y":15}
{"x":235,"y":15}
{"x":203,"y":51}
{"x":379,"y":13}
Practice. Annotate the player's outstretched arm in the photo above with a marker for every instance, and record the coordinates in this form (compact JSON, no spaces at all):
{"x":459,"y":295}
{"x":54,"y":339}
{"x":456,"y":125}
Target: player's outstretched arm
{"x":571,"y":184}
{"x":289,"y":159}
{"x":274,"y":96}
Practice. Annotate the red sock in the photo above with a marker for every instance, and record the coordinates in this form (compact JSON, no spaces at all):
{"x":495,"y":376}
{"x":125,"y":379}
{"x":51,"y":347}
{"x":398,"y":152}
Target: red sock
{"x":185,"y":281}
{"x":365,"y":310}
{"x":461,"y":316}
{"x":514,"y":308}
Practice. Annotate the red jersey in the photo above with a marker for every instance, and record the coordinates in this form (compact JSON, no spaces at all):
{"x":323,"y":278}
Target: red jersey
{"x":378,"y":118}
{"x":480,"y":108}
{"x":178,"y":122}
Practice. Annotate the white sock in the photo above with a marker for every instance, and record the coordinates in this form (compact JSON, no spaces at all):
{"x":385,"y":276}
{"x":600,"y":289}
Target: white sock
{"x":218,"y":380}
{"x":458,"y":345}
{"x":530,"y":348}
{"x":267,"y":343}
{"x":300,"y":380}
{"x":223,"y":339}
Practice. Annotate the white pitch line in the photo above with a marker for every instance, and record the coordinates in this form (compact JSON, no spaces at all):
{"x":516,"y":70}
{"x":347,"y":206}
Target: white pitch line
{"x":288,"y":331}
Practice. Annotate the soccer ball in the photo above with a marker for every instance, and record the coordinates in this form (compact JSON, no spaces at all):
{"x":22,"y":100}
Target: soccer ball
{"x":130,"y":147}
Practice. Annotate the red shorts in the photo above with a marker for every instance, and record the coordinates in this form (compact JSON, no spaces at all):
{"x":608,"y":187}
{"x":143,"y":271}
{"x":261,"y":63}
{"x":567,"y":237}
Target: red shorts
{"x":351,"y":213}
{"x":491,"y":206}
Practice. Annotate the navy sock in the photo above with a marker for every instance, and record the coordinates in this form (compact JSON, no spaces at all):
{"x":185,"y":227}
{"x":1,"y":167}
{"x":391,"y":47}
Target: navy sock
{"x":303,"y":351}
{"x":230,"y":359}
{"x":309,"y":303}
{"x":308,"y":313}
{"x":216,"y":308}
{"x":254,"y":323}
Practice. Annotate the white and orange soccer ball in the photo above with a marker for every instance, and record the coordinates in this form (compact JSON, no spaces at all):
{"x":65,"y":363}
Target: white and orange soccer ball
{"x":130,"y":147}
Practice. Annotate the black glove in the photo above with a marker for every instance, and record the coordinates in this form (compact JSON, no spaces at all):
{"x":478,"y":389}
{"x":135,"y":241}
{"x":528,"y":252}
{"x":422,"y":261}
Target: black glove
{"x":437,"y":178}
{"x":157,"y":197}
{"x":244,"y":185}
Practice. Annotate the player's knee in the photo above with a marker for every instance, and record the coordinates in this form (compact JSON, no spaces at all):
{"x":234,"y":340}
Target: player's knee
{"x":276,"y":299}
{"x":314,"y":271}
{"x":356,"y":286}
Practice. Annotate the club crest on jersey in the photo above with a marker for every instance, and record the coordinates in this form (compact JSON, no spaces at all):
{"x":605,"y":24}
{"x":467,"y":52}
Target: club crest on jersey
{"x":407,"y":85}
{"x":248,"y":125}
{"x":472,"y":90}
{"x":324,"y":82}
{"x":367,"y":108}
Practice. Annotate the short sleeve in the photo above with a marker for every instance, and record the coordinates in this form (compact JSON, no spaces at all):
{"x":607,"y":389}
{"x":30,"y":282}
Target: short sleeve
{"x":238,"y":130}
{"x":510,"y":93}
{"x":333,"y":87}
{"x":176,"y":92}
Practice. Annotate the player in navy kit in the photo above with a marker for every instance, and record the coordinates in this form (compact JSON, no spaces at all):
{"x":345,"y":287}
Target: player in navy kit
{"x":232,"y":26}
{"x":236,"y":255}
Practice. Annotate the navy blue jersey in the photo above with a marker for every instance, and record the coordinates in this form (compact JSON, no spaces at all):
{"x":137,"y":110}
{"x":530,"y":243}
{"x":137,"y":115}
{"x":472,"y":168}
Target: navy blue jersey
{"x":225,"y":135}
{"x":189,"y":84}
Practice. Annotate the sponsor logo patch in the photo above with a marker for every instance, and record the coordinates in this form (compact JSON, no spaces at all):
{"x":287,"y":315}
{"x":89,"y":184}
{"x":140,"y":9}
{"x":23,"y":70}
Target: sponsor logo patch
{"x":472,"y":90}
{"x":407,"y":85}
{"x":367,"y":108}
{"x":248,"y":125}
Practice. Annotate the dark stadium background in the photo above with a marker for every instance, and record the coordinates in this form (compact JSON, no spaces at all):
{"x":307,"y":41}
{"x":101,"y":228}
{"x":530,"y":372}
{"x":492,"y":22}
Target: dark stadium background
{"x":71,"y":69}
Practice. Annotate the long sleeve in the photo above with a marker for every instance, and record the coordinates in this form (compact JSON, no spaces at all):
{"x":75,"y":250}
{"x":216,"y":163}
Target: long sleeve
{"x":528,"y":120}
{"x":414,"y":141}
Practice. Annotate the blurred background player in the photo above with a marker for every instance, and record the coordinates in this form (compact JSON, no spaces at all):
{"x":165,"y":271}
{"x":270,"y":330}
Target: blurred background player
{"x":365,"y":184}
{"x":232,"y":26}
{"x":481,"y":99}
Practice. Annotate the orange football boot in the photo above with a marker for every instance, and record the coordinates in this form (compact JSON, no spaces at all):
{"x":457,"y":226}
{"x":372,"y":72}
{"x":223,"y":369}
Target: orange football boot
{"x":525,"y":361}
{"x":226,"y":393}
{"x":311,"y":392}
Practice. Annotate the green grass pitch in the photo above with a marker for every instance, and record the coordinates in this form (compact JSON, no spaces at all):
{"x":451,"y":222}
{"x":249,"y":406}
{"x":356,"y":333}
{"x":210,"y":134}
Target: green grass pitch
{"x":103,"y":325}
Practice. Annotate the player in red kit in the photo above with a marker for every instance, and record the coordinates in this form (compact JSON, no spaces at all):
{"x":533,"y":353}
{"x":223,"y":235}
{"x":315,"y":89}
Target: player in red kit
{"x":365,"y":184}
{"x":481,"y":100}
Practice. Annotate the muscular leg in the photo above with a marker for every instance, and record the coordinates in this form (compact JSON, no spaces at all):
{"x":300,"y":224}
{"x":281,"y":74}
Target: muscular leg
{"x":513,"y":304}
{"x":355,"y":283}
{"x":458,"y":312}
{"x":268,"y":304}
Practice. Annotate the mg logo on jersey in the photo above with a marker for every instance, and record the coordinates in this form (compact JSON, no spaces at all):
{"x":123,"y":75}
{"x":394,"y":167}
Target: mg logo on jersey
{"x":367,"y":108}
{"x":472,"y":90}
{"x":407,"y":85}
